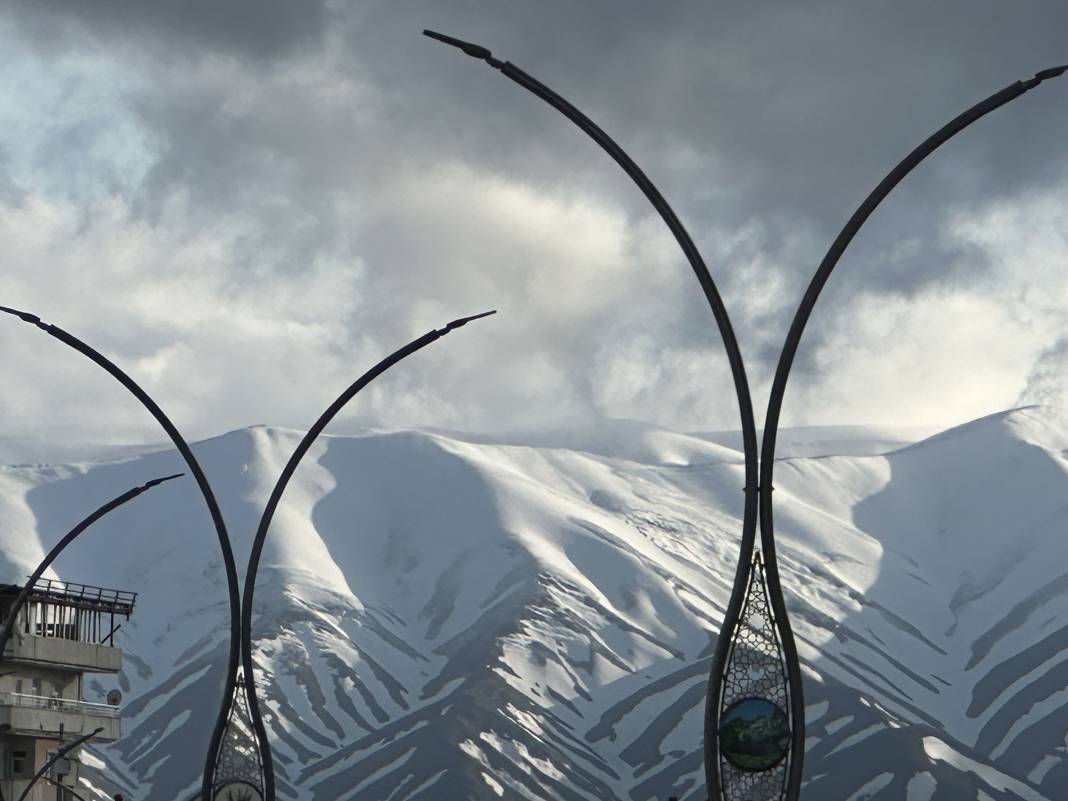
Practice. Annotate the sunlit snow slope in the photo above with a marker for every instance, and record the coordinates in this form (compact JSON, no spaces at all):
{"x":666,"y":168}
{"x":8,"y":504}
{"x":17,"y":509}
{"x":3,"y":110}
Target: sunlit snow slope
{"x":441,"y":617}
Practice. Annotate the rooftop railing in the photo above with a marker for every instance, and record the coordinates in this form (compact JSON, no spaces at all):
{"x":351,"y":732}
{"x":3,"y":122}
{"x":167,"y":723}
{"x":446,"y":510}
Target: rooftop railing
{"x":85,"y":595}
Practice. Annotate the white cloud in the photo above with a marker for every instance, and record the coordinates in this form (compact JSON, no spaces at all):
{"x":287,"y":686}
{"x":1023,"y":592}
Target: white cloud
{"x":957,"y":349}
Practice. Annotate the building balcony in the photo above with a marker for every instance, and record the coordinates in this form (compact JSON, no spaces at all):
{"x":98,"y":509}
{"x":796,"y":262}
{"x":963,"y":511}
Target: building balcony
{"x":66,"y":625}
{"x":35,"y":715}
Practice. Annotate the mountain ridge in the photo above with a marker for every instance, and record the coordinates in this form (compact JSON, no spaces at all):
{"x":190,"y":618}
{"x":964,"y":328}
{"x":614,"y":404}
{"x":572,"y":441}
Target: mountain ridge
{"x":436,"y":617}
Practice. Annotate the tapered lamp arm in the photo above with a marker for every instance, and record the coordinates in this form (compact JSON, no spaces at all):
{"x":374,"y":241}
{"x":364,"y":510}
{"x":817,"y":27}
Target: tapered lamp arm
{"x":268,"y":514}
{"x":65,"y":789}
{"x":682,"y":236}
{"x":841,"y":242}
{"x":115,"y":503}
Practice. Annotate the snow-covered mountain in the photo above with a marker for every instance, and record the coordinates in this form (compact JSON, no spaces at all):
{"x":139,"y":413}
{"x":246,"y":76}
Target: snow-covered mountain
{"x":449,"y":617}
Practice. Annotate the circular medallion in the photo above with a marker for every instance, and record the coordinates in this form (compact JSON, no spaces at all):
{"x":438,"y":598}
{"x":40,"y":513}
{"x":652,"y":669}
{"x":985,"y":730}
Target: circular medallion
{"x":238,"y":791}
{"x":754,"y":734}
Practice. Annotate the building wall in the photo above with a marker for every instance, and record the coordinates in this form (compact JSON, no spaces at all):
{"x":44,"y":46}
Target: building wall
{"x":42,"y":791}
{"x":48,"y":721}
{"x":59,"y":653}
{"x":43,"y":681}
{"x":36,"y":752}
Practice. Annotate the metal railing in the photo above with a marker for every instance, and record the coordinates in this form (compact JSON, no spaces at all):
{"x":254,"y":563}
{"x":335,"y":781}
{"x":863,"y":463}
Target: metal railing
{"x":59,"y":705}
{"x":120,"y":601}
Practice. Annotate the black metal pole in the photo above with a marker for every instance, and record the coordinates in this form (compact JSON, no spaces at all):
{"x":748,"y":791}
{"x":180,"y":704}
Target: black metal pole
{"x":64,"y":788}
{"x":793,"y":338}
{"x":55,"y":757}
{"x":129,"y":495}
{"x":268,"y":514}
{"x":209,"y":498}
{"x":734,"y":357}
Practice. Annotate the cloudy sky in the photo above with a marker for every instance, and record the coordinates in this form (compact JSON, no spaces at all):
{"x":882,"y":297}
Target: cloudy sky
{"x":246,"y":204}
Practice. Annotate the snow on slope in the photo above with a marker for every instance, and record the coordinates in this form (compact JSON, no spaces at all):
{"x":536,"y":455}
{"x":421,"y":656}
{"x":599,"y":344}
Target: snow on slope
{"x":831,"y":440}
{"x":443,"y":616}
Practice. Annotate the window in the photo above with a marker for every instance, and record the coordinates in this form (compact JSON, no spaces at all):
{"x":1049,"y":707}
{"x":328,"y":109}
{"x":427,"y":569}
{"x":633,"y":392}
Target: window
{"x":18,"y":764}
{"x":18,"y":686}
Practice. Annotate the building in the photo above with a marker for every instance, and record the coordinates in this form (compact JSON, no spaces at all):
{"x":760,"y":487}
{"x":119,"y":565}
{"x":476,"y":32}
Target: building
{"x":63,"y":631}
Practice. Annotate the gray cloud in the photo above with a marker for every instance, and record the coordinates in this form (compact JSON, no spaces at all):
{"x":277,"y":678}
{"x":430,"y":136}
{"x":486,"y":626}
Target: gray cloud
{"x":277,"y":145}
{"x":258,"y":28}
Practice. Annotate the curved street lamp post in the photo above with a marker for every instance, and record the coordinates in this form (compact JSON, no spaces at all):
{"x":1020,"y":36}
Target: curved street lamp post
{"x":755,"y":672}
{"x":56,"y":757}
{"x":235,"y":764}
{"x":782,"y":676}
{"x":64,"y":789}
{"x":205,"y":489}
{"x":222,"y":749}
{"x":804,"y":311}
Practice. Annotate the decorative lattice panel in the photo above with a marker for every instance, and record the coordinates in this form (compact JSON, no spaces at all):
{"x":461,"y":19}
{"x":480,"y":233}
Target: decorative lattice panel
{"x":239,"y":768}
{"x":754,"y":732}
